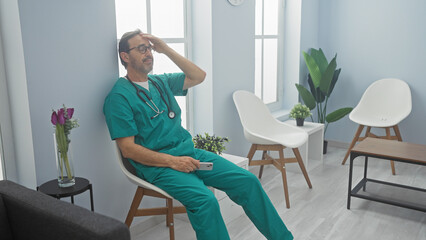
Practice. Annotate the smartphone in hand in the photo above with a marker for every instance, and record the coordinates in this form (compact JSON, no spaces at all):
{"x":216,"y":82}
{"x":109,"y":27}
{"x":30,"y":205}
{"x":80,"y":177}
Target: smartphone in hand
{"x":206,"y":166}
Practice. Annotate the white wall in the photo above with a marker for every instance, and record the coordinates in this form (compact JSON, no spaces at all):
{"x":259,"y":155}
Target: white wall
{"x":223,"y":40}
{"x":19,"y":151}
{"x":7,"y":152}
{"x":202,"y":53}
{"x":233,"y":67}
{"x":374,"y":40}
{"x":68,"y":55}
{"x":232,"y":53}
{"x":309,"y":38}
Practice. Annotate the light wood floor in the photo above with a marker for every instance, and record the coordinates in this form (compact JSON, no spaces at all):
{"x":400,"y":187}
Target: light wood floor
{"x":320,"y":212}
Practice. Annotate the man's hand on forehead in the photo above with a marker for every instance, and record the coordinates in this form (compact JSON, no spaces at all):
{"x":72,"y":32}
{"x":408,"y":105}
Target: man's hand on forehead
{"x":143,"y":36}
{"x":157,"y":44}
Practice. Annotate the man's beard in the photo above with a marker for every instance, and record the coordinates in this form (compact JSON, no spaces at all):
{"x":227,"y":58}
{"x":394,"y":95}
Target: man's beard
{"x":143,"y":67}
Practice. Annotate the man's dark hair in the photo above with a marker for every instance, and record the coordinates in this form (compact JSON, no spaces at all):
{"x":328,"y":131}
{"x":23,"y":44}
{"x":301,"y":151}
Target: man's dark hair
{"x":123,"y":45}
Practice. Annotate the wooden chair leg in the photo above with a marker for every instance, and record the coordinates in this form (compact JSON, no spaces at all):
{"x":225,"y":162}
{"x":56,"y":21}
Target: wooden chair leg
{"x":358,"y":132}
{"x":261,"y":167}
{"x":367,"y":131}
{"x":397,"y":133}
{"x":251,"y":152}
{"x":284,"y":177}
{"x":167,"y":214}
{"x":399,"y":137}
{"x":388,"y":135}
{"x":302,"y":166}
{"x":170,"y":221}
{"x":392,"y":163}
{"x":134,"y":206}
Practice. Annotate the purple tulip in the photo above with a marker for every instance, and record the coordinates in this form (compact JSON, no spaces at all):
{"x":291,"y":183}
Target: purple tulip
{"x":61,"y":116}
{"x":70,"y":112}
{"x":54,"y":118}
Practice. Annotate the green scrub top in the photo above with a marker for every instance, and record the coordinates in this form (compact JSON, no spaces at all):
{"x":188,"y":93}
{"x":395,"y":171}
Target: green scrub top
{"x":127,"y":115}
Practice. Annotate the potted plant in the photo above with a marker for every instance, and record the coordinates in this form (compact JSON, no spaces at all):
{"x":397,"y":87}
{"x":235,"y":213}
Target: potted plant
{"x":300,"y":112}
{"x":322,"y":78}
{"x":209,"y":143}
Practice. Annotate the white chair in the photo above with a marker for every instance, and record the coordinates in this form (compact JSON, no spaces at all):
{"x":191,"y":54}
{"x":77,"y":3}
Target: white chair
{"x":384,"y":104}
{"x":265,"y":133}
{"x":147,"y":189}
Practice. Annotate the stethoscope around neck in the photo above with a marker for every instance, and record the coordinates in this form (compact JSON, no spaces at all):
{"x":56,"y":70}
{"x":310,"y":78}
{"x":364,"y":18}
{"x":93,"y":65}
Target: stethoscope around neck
{"x":154,"y":107}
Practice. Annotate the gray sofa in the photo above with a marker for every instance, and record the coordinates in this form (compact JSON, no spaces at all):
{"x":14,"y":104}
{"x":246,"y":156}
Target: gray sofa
{"x":28,"y":214}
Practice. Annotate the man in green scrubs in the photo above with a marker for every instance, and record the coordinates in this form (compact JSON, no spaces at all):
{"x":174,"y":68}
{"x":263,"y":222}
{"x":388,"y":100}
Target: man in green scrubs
{"x":144,"y":118}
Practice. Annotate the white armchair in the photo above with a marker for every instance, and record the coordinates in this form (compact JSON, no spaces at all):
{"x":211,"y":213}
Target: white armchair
{"x":145,"y":188}
{"x":265,"y":133}
{"x":384,"y":104}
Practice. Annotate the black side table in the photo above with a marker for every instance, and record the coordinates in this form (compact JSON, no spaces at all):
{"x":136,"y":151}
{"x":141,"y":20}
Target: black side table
{"x":52,"y":188}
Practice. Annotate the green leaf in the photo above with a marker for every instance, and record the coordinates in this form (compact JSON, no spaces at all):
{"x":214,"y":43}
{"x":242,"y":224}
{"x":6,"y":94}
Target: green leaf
{"x":313,"y":69}
{"x":306,"y":96}
{"x":319,"y":97}
{"x":320,"y":59}
{"x":338,"y":114}
{"x":209,"y":143}
{"x":328,"y":76}
{"x":333,"y":82}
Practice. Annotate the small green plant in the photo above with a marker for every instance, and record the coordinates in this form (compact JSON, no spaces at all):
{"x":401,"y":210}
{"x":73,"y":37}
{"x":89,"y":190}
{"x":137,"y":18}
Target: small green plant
{"x":209,"y":143}
{"x":300,"y":111}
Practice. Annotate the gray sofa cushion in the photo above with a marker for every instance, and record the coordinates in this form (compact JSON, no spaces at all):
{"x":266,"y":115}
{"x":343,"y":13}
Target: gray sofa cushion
{"x":4,"y":222}
{"x":34,"y":215}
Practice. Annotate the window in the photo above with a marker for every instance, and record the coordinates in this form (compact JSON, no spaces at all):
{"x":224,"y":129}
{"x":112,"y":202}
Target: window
{"x":268,"y":51}
{"x":167,"y":23}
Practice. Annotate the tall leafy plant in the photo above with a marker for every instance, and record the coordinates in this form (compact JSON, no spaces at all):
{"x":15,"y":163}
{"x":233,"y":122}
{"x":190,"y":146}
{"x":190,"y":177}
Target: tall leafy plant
{"x":322,"y":78}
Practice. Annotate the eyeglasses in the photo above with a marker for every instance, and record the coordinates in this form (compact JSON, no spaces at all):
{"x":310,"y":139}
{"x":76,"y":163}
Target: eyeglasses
{"x":141,"y":48}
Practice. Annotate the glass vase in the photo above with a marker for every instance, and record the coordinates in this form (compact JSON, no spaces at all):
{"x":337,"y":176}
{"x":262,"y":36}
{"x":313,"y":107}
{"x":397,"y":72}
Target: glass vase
{"x":64,"y":165}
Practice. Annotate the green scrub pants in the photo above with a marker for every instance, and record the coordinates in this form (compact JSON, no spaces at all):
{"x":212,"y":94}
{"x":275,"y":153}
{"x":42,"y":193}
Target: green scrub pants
{"x":202,"y":207}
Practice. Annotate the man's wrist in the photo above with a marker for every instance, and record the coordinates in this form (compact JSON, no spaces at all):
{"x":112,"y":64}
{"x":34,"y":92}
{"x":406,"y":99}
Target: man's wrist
{"x":168,"y":51}
{"x":169,"y":160}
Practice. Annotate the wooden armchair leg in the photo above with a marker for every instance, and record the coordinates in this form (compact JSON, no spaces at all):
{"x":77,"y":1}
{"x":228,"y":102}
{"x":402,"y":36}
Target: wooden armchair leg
{"x":367,"y":132}
{"x":260,"y":172}
{"x":251,"y":152}
{"x":392,"y":163}
{"x":399,"y":137}
{"x":357,"y":134}
{"x":388,"y":136}
{"x":134,"y":207}
{"x":170,"y":221}
{"x":284,"y":177}
{"x":397,"y":133}
{"x":261,"y":167}
{"x":280,"y":165}
{"x":168,"y":218}
{"x":302,"y":166}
